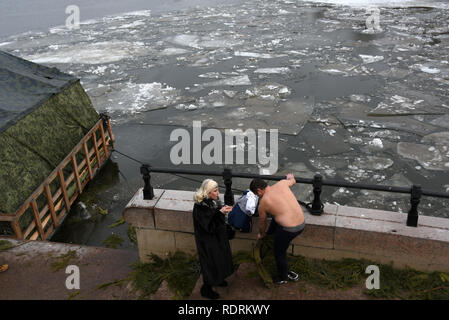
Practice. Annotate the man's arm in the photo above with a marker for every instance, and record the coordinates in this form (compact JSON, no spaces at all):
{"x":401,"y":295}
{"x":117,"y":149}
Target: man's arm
{"x":262,"y":222}
{"x":290,"y":179}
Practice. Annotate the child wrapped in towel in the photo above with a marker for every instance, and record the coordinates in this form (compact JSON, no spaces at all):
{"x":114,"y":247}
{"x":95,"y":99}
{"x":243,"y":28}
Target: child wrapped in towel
{"x":241,"y":215}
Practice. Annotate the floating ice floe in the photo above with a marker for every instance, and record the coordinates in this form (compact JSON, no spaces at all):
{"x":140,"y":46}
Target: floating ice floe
{"x":359,"y":98}
{"x":425,"y":69}
{"x":187,"y":40}
{"x":386,"y":3}
{"x":328,"y":165}
{"x":132,"y":25}
{"x":173,"y":51}
{"x":257,"y":55}
{"x":376,"y":143}
{"x":278,"y":70}
{"x":324,"y":144}
{"x":437,"y":139}
{"x":270,"y":91}
{"x":212,"y":75}
{"x":5,"y":43}
{"x":183,"y":106}
{"x":90,"y":53}
{"x":370,"y":59}
{"x":195,"y":41}
{"x":340,"y":69}
{"x":431,"y":157}
{"x":133,"y":97}
{"x":229,"y":93}
{"x":242,"y":80}
{"x":373,"y":163}
{"x":441,"y":122}
{"x":355,"y":114}
{"x":151,"y":95}
{"x":99,"y":70}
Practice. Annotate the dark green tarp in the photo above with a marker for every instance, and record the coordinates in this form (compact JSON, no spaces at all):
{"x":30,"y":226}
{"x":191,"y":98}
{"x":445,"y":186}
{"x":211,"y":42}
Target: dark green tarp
{"x":44,"y":113}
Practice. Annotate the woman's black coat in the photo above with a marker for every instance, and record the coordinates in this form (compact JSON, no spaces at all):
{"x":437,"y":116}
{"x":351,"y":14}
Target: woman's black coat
{"x":212,"y":242}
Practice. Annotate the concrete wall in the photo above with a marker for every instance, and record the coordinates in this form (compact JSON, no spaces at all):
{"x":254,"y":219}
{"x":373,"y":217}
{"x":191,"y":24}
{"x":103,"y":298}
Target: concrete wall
{"x":165,"y":224}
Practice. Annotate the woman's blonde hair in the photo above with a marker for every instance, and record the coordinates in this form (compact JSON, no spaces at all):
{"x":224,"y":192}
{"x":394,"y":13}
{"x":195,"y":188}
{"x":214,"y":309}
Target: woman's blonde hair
{"x":207,"y":186}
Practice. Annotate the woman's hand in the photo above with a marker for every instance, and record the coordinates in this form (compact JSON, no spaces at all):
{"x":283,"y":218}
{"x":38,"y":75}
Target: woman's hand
{"x":225,"y":209}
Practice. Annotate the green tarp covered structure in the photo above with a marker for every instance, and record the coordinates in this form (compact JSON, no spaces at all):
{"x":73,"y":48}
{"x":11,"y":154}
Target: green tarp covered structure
{"x":44,"y":113}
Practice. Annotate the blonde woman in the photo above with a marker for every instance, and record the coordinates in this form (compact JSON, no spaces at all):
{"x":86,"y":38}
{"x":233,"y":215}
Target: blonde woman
{"x":211,"y":238}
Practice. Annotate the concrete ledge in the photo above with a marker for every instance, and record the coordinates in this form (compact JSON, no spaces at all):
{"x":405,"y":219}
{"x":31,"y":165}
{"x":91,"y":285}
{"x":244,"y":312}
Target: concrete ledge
{"x":320,"y":230}
{"x":154,"y":241}
{"x":185,"y":242}
{"x":165,"y":224}
{"x":139,"y":212}
{"x":174,"y":211}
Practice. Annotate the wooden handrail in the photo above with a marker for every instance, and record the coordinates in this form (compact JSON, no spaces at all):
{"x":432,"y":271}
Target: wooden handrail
{"x":53,"y":203}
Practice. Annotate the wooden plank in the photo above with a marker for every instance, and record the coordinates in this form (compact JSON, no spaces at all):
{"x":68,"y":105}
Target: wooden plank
{"x":56,"y":195}
{"x":29,"y":229}
{"x":84,"y":176}
{"x":44,"y":224}
{"x":26,"y":204}
{"x":86,"y":152}
{"x":105,"y":147}
{"x":49,"y":231}
{"x":51,"y":205}
{"x":97,"y":153}
{"x":75,"y":195}
{"x":61,"y":214}
{"x":51,"y":177}
{"x":37,"y":218}
{"x":58,"y":205}
{"x":7,"y":217}
{"x":75,"y":170}
{"x":69,"y":179}
{"x":34,"y":236}
{"x":64,"y":189}
{"x":10,"y":237}
{"x":16,"y":227}
{"x":43,"y":211}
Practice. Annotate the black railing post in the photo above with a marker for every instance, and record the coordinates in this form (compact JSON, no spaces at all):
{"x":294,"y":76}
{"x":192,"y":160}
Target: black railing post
{"x":227,"y":178}
{"x":412,"y":218}
{"x":317,"y":205}
{"x":148,"y":192}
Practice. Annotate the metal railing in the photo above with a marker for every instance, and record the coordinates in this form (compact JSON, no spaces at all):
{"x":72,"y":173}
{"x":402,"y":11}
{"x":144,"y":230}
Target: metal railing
{"x":316,"y":207}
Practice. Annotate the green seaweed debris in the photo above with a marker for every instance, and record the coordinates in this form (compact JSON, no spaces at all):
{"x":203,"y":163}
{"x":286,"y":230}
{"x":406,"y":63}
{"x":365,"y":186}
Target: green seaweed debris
{"x":132,"y":235}
{"x":117,"y":223}
{"x":113,"y":241}
{"x":62,"y":261}
{"x":181,"y":271}
{"x":5,"y":244}
{"x":73,"y":295}
{"x":115,"y":283}
{"x":101,"y":211}
{"x":346,"y":273}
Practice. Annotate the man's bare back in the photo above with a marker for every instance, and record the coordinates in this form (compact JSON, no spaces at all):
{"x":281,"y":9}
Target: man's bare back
{"x":279,"y":201}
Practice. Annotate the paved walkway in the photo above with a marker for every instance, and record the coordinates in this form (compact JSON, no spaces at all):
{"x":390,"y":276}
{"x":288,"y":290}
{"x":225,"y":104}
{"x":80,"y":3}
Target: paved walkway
{"x":244,"y":285}
{"x":32,"y":276}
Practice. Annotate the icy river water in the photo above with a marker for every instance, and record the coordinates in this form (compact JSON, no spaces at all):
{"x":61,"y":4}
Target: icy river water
{"x":354,"y":104}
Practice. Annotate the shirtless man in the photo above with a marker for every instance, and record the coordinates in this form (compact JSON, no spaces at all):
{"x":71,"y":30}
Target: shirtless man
{"x":287,"y":223}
